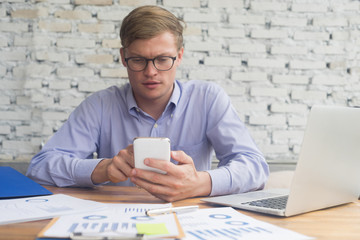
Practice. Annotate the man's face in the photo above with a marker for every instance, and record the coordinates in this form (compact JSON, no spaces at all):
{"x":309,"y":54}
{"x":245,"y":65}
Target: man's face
{"x":152,"y":85}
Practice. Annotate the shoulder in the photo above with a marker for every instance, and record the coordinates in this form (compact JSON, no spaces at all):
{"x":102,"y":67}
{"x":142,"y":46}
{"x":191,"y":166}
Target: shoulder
{"x":108,"y":95}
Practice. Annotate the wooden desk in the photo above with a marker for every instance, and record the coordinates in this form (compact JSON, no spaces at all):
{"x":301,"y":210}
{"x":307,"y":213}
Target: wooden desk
{"x":341,"y":222}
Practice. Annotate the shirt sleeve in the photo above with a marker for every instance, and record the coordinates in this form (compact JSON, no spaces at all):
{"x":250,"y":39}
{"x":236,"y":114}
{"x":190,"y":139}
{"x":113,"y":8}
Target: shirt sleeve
{"x":241,"y":167}
{"x":61,"y":161}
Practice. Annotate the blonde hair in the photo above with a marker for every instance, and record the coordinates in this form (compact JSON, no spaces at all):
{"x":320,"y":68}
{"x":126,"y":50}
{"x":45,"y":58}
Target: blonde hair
{"x":149,"y":21}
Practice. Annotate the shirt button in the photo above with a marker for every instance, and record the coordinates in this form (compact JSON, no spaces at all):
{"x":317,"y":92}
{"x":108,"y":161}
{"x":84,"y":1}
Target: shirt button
{"x":138,"y":110}
{"x":155,"y":126}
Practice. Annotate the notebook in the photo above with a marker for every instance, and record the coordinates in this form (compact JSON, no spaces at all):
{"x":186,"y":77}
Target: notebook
{"x":327,"y":172}
{"x":13,"y":184}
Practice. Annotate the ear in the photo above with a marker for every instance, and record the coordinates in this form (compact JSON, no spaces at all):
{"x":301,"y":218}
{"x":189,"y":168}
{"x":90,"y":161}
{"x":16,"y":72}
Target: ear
{"x":179,"y":56}
{"x":122,"y":54}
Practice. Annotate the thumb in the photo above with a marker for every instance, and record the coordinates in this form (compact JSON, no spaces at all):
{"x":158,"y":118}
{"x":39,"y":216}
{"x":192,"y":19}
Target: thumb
{"x":181,"y":157}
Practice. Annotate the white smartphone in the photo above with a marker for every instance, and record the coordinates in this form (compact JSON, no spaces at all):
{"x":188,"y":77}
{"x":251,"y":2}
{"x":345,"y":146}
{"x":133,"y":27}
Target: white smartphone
{"x":151,"y":147}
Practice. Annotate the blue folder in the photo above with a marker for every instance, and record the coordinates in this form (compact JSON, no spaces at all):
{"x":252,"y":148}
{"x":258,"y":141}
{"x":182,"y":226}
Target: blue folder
{"x":13,"y":184}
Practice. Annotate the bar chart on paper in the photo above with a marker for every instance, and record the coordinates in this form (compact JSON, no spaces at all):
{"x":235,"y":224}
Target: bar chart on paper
{"x":228,"y":224}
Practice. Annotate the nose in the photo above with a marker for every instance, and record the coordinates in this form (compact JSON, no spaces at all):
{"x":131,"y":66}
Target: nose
{"x":150,"y":69}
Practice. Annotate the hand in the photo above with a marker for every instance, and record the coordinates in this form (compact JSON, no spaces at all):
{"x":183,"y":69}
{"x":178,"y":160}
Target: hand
{"x":180,"y":181}
{"x":117,"y":169}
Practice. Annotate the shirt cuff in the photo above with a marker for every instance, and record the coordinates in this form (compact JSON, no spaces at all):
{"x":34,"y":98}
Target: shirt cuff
{"x":220,"y":179}
{"x":84,"y":169}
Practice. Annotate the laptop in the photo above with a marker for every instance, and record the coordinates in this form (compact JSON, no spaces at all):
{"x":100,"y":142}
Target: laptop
{"x":327,"y":172}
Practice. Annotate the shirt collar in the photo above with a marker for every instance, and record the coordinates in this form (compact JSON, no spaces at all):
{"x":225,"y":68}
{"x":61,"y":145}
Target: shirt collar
{"x":174,"y":99}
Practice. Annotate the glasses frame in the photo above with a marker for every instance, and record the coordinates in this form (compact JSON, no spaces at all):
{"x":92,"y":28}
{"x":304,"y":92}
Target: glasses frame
{"x":147,"y":61}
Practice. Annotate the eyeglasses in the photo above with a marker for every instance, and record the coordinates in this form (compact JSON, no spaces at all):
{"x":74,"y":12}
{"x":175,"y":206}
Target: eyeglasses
{"x":161,"y":63}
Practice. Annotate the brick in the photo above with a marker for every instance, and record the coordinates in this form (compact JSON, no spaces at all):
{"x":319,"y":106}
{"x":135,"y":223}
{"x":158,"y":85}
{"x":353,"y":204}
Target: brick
{"x":12,"y":56}
{"x":11,"y":84}
{"x":338,"y":65}
{"x":4,"y":100}
{"x":58,"y":116}
{"x":19,"y":146}
{"x":268,"y":34}
{"x":23,"y":130}
{"x":95,"y":58}
{"x":114,"y":72}
{"x":291,"y":79}
{"x":288,"y":22}
{"x":14,"y":27}
{"x":308,"y":95}
{"x":74,"y":72}
{"x":15,"y":115}
{"x":275,"y":149}
{"x":246,"y":19}
{"x":268,"y":92}
{"x":3,"y":42}
{"x":2,"y":12}
{"x":289,"y":135}
{"x":207,"y":74}
{"x":247,"y":48}
{"x":70,"y":101}
{"x":182,"y":3}
{"x":32,"y":70}
{"x":329,"y":80}
{"x":96,"y":28}
{"x":93,"y":2}
{"x":137,"y":3}
{"x":42,"y":100}
{"x":4,"y":129}
{"x":112,"y":15}
{"x":340,"y":35}
{"x":62,"y":57}
{"x":328,"y":50}
{"x":192,"y":31}
{"x":266,"y":63}
{"x":309,"y":7}
{"x":289,"y":50}
{"x":249,"y":107}
{"x":222,"y":61}
{"x":203,"y":46}
{"x":35,"y":41}
{"x":224,"y":4}
{"x":306,"y":35}
{"x":111,"y":43}
{"x":75,"y":43}
{"x":33,"y":84}
{"x":60,"y":85}
{"x":91,"y":87}
{"x":202,"y":17}
{"x":267,"y":120}
{"x":55,"y":26}
{"x":297,"y":121}
{"x":288,"y":108}
{"x":249,"y":76}
{"x":2,"y":71}
{"x":73,"y":15}
{"x":299,"y":64}
{"x":29,"y":13}
{"x":228,"y":32}
{"x":233,"y":88}
{"x":330,"y":22}
{"x":268,"y":6}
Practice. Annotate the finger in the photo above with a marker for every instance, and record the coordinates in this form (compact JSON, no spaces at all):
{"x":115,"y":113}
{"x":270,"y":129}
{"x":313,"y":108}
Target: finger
{"x":115,"y":175}
{"x":181,"y":157}
{"x":163,"y":165}
{"x":154,"y":189}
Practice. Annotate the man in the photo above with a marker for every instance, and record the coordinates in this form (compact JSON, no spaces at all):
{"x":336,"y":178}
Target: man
{"x":196,"y":116}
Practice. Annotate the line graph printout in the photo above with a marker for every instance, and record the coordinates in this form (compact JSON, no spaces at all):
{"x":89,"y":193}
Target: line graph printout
{"x":226,"y":223}
{"x":117,"y":219}
{"x":43,"y":207}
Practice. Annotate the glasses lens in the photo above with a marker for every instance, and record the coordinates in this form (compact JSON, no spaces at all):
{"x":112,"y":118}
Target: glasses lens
{"x":136,"y":64}
{"x":163,"y":63}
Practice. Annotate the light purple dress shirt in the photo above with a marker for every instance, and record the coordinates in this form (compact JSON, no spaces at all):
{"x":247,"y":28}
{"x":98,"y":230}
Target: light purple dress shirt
{"x":199,"y":119}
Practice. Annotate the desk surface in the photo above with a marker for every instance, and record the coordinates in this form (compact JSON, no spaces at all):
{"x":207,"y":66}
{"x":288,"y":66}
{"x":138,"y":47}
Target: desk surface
{"x":342,"y":222}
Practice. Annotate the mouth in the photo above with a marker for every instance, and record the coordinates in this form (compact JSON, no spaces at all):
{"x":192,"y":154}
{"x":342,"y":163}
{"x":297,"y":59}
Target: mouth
{"x":151,"y":84}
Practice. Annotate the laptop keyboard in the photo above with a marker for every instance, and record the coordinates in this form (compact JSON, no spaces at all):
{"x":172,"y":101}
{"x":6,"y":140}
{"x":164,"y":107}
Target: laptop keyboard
{"x":274,"y":203}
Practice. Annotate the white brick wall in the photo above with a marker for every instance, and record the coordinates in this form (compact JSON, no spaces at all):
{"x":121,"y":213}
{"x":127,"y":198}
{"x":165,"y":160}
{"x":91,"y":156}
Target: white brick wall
{"x":274,"y":58}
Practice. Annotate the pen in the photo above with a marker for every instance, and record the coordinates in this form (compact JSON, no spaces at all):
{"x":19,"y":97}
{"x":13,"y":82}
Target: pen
{"x":159,"y":211}
{"x":99,"y":236}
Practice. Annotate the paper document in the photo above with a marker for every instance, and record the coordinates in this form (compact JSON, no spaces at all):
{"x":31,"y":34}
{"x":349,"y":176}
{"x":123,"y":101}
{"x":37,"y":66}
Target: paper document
{"x":116,"y":220}
{"x":226,"y":223}
{"x":36,"y":208}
